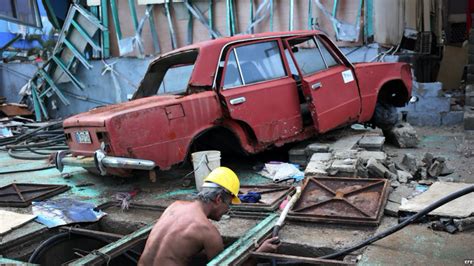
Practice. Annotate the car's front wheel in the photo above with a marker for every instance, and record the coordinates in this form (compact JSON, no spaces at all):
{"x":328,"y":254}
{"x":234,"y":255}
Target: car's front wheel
{"x":385,"y":116}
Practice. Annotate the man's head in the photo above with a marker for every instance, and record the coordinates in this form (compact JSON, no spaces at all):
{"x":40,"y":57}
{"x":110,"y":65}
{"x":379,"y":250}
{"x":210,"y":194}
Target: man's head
{"x":220,"y":189}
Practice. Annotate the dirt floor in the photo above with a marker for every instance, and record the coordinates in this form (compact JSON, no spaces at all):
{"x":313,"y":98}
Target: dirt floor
{"x":303,"y":238}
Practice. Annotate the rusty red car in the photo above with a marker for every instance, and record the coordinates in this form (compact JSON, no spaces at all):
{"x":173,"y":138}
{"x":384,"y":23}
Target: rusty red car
{"x":248,"y":91}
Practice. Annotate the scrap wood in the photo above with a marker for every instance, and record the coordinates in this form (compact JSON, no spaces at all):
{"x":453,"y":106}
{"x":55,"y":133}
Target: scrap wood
{"x":11,"y":109}
{"x":11,"y":220}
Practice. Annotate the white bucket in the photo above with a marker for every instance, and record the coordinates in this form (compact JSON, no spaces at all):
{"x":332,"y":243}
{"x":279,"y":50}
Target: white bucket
{"x":203,"y":163}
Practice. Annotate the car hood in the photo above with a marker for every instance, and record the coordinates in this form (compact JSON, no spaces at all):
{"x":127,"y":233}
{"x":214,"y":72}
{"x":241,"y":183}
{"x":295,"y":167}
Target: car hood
{"x":97,"y":117}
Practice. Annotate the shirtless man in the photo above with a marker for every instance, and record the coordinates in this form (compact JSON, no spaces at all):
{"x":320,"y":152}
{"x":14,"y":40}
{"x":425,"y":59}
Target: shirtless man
{"x":184,"y":230}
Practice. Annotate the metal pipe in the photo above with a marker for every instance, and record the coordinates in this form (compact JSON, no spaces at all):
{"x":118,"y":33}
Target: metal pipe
{"x":127,"y":163}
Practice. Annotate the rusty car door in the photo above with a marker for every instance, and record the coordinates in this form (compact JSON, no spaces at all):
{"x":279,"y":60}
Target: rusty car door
{"x":328,"y":81}
{"x":258,"y":91}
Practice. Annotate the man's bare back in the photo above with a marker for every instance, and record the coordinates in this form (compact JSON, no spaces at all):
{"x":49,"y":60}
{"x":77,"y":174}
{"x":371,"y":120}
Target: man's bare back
{"x":182,"y":231}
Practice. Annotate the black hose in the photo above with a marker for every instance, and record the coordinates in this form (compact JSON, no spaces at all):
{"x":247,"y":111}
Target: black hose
{"x":412,"y":218}
{"x":27,"y":170}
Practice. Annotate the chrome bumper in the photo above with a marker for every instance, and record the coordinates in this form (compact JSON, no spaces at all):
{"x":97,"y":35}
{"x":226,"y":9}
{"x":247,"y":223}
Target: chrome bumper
{"x":101,"y":162}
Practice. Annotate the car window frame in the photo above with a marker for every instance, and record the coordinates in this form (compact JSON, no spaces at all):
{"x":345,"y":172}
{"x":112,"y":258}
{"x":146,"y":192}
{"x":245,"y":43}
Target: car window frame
{"x":317,"y":39}
{"x":232,"y":48}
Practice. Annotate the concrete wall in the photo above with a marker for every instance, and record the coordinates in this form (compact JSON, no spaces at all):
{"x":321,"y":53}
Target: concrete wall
{"x":13,"y":76}
{"x":100,"y":89}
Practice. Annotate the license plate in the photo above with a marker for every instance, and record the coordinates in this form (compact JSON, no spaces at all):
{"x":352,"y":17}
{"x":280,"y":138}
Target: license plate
{"x":83,"y":137}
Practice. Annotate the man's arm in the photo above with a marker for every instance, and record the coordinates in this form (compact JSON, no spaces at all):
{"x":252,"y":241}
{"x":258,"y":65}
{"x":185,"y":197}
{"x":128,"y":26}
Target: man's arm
{"x":213,"y":243}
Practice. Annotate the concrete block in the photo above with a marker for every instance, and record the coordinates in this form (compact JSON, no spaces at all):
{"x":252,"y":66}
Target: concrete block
{"x":453,"y":117}
{"x":469,"y":118}
{"x":404,"y":176}
{"x":469,"y":88}
{"x":409,"y":163}
{"x":470,"y":78}
{"x":317,"y":147}
{"x":345,"y":143}
{"x":403,"y":135}
{"x":424,"y":119}
{"x":372,"y":142}
{"x":346,"y":167}
{"x":433,"y":104}
{"x":364,"y":156}
{"x":470,"y":68}
{"x":391,"y":209}
{"x":320,"y":157}
{"x":348,"y":154}
{"x":377,"y":169}
{"x":297,"y":152}
{"x":430,"y":89}
{"x":316,"y":168}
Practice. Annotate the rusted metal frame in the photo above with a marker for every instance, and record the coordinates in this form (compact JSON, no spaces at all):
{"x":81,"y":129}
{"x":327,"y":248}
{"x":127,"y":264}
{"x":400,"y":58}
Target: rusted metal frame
{"x":201,"y":18}
{"x":174,"y":42}
{"x":53,"y":190}
{"x":244,"y":243}
{"x":312,"y":205}
{"x":154,"y":33}
{"x":20,"y":192}
{"x":116,"y":248}
{"x":53,"y":87}
{"x":298,"y":259}
{"x":381,"y":182}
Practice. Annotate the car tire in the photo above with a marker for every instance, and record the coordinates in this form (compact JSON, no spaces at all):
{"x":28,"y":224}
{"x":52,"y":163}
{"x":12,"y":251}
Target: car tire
{"x":385,"y":116}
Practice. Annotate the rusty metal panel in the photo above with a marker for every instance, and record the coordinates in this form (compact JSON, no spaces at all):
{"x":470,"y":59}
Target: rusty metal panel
{"x":22,"y":194}
{"x":271,"y":195}
{"x":341,"y":200}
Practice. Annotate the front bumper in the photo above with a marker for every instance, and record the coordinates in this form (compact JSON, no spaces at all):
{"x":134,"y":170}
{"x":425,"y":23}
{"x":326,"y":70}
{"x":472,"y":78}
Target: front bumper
{"x":101,"y":162}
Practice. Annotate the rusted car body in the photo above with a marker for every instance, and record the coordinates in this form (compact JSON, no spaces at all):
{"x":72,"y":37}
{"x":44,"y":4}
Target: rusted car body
{"x":256,"y":91}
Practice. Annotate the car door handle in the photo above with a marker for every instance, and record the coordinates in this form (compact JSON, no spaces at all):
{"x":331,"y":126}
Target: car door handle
{"x":316,"y":85}
{"x":236,"y":101}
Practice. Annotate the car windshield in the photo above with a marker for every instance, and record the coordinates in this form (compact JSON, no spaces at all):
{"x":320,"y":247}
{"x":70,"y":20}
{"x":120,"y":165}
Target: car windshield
{"x":176,"y":79}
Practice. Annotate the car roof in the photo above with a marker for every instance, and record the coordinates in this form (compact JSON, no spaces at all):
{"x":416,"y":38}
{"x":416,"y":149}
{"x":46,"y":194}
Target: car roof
{"x":209,"y":53}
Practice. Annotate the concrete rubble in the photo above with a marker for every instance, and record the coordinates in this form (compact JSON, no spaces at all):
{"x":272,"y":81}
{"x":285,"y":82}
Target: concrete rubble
{"x":403,"y":135}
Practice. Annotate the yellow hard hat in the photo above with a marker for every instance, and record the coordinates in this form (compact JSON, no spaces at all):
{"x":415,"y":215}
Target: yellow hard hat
{"x":227,"y":179}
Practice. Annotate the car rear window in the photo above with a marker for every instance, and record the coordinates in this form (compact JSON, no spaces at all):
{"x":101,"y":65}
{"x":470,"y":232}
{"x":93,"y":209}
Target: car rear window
{"x":176,"y":80}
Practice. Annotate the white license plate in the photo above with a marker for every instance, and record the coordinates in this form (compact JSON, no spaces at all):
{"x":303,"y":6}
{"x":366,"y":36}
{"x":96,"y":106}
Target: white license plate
{"x":83,"y":137}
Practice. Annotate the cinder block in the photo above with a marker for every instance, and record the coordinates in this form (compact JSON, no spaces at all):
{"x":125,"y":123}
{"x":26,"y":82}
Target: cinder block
{"x":469,"y":69}
{"x":372,"y":142}
{"x":433,"y":104}
{"x":470,"y":49}
{"x":469,"y":99}
{"x":424,"y":119}
{"x":452,"y":118}
{"x":429,"y":89}
{"x":470,"y":88}
{"x":470,"y":59}
{"x":470,"y":78}
{"x":469,"y":118}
